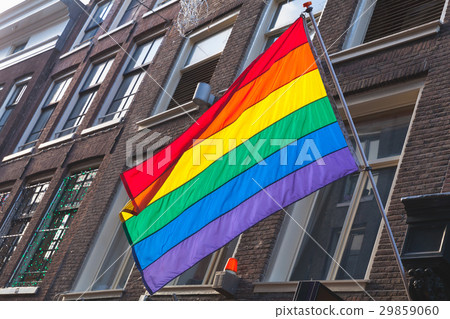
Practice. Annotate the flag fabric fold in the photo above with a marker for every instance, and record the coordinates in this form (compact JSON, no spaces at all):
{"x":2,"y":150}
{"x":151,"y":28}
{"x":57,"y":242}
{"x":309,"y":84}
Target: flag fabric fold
{"x":271,"y":140}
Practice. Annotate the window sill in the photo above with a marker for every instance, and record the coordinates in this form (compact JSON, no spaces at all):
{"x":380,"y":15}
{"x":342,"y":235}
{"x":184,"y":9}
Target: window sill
{"x":102,"y":126}
{"x":167,"y":115}
{"x":158,"y":8}
{"x":386,"y":42}
{"x":92,"y":295}
{"x":291,"y":286}
{"x":56,"y":141}
{"x":187,"y":290}
{"x":19,"y":290}
{"x":79,"y":48}
{"x":18,"y":154}
{"x":123,"y":26}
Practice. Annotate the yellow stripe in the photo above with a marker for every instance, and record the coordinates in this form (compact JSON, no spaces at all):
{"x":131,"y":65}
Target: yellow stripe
{"x":287,"y":99}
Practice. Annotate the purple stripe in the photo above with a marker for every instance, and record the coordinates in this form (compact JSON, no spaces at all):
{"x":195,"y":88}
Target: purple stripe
{"x":218,"y":233}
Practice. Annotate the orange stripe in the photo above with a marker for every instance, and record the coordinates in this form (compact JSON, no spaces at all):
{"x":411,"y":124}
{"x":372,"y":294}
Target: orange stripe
{"x":298,"y":62}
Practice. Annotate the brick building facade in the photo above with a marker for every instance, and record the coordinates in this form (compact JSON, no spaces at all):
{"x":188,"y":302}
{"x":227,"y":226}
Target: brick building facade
{"x":108,"y":86}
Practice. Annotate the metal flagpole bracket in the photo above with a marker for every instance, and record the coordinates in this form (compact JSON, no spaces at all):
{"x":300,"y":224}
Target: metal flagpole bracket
{"x":367,"y":167}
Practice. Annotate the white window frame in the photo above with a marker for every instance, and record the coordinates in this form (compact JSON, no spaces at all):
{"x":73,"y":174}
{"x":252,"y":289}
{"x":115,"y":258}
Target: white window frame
{"x":291,"y":235}
{"x":159,"y":3}
{"x":77,"y":41}
{"x":118,"y":82}
{"x":38,"y":112}
{"x":263,"y":31}
{"x":75,"y":97}
{"x":20,"y":81}
{"x":176,"y":73}
{"x":115,"y":24}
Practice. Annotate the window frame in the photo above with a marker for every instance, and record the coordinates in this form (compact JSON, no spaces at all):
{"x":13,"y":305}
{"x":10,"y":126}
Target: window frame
{"x":359,"y":26}
{"x":95,"y":259}
{"x":9,"y":104}
{"x":124,"y":74}
{"x":14,"y":214}
{"x":43,"y":107}
{"x":179,"y":67}
{"x":82,"y":91}
{"x":80,"y":39}
{"x":31,"y":251}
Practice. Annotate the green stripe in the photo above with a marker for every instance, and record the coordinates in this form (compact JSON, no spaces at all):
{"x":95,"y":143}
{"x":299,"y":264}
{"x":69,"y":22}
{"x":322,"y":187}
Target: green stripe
{"x":292,"y":127}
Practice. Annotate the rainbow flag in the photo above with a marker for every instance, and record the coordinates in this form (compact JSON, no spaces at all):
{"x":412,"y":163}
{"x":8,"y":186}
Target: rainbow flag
{"x":271,"y":140}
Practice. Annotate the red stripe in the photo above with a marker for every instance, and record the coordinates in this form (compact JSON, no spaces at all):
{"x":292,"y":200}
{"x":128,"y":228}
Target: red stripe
{"x":138,"y":179}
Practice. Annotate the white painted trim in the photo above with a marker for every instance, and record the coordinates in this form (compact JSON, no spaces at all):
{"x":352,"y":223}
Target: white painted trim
{"x":18,"y":154}
{"x":29,"y":52}
{"x":57,"y":141}
{"x":167,"y":115}
{"x":92,"y":295}
{"x":123,"y":26}
{"x":101,"y":126}
{"x":387,"y":42}
{"x":79,"y":48}
{"x":19,"y":290}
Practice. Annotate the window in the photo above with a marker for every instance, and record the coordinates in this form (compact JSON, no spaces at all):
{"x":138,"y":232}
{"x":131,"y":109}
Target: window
{"x":276,"y":19}
{"x":198,"y":66}
{"x":202,"y":273}
{"x":110,"y":260}
{"x":342,"y":220}
{"x":46,"y":109}
{"x":3,"y":198}
{"x":373,"y":21}
{"x":96,"y":20}
{"x":131,"y":12}
{"x":34,"y":264}
{"x":133,"y":75}
{"x":86,"y":95}
{"x":159,"y":3}
{"x":16,"y":222}
{"x":13,"y":99}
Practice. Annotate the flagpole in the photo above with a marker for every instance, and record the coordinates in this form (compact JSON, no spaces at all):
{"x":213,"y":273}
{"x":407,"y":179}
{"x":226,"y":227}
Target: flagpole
{"x":367,"y":167}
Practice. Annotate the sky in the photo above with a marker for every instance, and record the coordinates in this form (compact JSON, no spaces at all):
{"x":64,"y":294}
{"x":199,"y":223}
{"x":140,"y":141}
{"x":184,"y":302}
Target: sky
{"x":6,"y":4}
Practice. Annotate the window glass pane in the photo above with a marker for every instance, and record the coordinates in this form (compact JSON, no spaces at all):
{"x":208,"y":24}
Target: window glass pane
{"x":144,"y":54}
{"x":328,"y":217}
{"x":97,"y":74}
{"x":3,"y":197}
{"x":124,"y":97}
{"x":203,"y":272}
{"x":45,"y":242}
{"x":116,"y":261}
{"x":287,"y":12}
{"x":209,"y":46}
{"x":160,"y":3}
{"x":383,"y":137}
{"x":77,"y":114}
{"x":365,"y":227}
{"x":38,"y":128}
{"x":58,"y":91}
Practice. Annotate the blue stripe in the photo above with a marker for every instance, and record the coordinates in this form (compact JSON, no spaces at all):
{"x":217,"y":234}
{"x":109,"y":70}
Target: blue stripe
{"x":327,"y":140}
